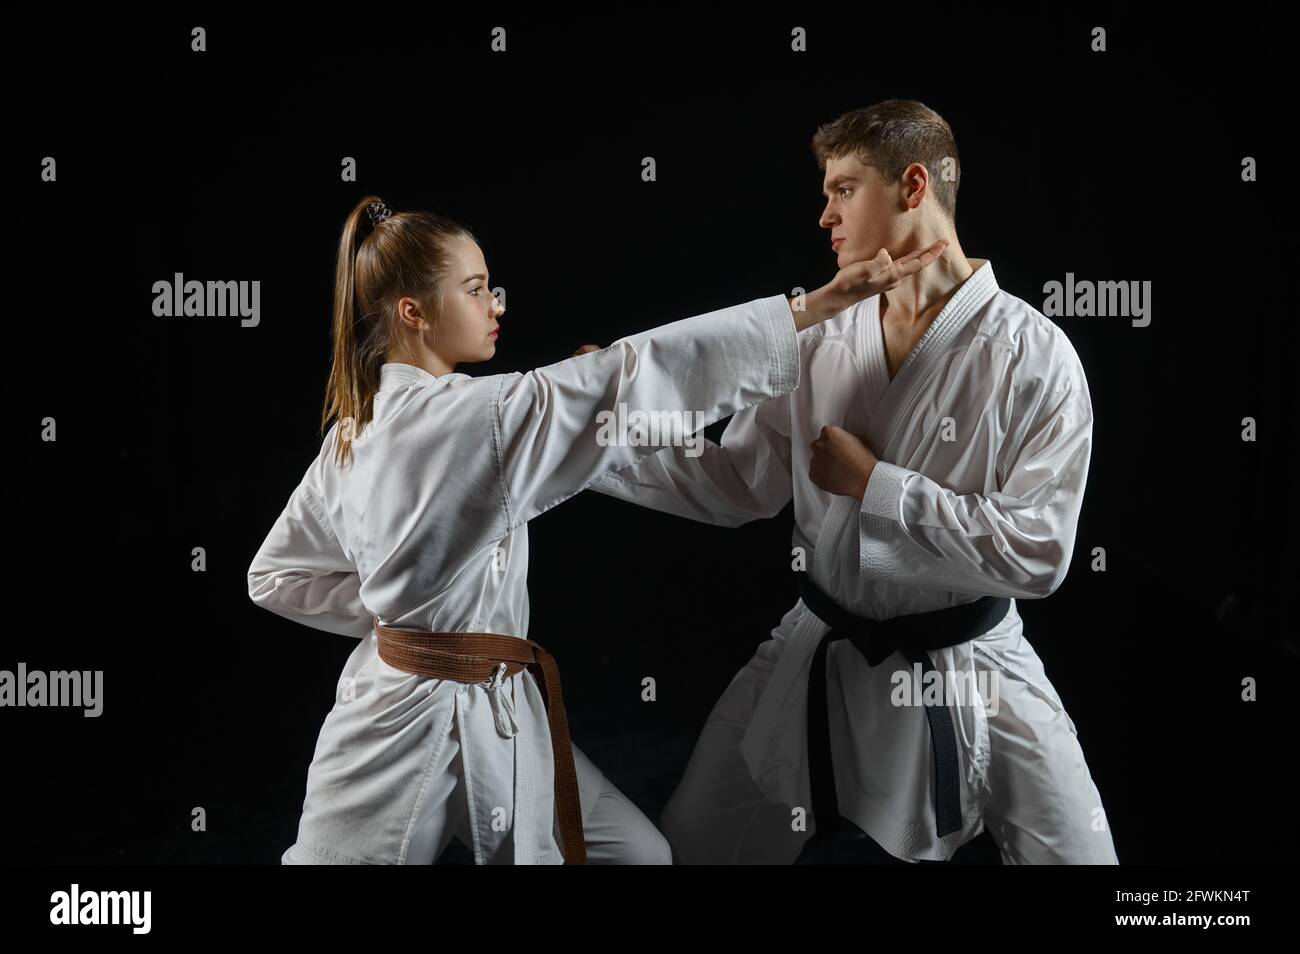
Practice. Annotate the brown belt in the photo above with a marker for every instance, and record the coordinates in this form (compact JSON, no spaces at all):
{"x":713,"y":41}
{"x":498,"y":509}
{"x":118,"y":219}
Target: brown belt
{"x":474,"y":657}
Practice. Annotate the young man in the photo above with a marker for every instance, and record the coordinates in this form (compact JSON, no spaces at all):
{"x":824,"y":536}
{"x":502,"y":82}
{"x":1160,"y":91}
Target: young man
{"x":936,"y":454}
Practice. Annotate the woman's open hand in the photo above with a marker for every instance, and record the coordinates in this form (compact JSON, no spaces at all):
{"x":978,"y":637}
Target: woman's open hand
{"x":859,"y":280}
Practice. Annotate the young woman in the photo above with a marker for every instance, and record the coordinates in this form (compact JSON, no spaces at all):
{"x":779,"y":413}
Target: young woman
{"x":409,"y":532}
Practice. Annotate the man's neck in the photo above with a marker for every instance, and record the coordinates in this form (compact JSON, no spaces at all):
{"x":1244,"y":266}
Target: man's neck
{"x":920,"y":298}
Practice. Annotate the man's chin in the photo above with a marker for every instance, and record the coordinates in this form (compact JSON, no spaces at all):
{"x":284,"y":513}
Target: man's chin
{"x":847,"y":256}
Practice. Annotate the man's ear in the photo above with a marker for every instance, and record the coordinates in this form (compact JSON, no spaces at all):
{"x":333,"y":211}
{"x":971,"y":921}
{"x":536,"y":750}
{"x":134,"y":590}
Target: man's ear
{"x":916,"y":184}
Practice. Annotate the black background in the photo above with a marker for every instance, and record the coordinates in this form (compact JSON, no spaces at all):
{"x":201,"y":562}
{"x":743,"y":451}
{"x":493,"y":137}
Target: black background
{"x":176,"y":433}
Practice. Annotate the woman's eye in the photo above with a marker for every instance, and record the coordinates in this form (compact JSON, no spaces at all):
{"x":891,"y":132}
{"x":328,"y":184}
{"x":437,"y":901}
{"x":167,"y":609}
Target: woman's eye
{"x":475,"y":291}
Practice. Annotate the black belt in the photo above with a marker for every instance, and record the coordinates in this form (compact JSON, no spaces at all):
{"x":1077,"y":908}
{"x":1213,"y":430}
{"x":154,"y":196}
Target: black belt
{"x":910,"y":635}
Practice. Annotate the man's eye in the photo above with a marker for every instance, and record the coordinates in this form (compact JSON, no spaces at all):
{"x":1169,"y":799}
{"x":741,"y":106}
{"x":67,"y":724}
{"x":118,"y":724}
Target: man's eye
{"x":843,"y":190}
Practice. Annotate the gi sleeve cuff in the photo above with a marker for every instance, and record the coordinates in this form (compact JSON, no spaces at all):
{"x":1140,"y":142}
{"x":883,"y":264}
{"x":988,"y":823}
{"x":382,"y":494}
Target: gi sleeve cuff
{"x":783,"y":341}
{"x":880,"y":520}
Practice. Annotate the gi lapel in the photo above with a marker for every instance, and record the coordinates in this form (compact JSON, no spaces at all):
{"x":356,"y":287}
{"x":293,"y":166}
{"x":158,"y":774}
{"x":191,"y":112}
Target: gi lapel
{"x":919,"y":366}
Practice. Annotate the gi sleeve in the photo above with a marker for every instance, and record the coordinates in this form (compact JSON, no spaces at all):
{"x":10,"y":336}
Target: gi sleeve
{"x":745,"y":477}
{"x":552,"y":424}
{"x":1016,"y":542}
{"x":302,"y":573}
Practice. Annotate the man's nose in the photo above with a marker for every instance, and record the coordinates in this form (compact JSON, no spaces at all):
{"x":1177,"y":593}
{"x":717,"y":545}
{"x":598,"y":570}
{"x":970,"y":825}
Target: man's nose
{"x":827,"y":220}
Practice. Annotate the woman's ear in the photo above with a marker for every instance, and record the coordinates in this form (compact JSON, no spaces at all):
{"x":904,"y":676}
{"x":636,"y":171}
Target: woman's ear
{"x":409,"y":313}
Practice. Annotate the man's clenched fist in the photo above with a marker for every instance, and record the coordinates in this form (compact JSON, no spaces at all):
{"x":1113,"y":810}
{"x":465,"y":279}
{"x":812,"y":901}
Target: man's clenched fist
{"x":841,"y":462}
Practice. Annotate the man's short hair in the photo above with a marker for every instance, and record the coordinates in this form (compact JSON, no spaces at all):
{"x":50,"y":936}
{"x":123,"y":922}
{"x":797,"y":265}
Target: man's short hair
{"x":890,"y":136}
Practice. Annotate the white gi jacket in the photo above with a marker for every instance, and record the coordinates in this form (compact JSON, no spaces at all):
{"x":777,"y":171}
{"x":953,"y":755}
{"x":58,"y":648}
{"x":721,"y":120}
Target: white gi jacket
{"x":942,"y":522}
{"x":427,"y":528}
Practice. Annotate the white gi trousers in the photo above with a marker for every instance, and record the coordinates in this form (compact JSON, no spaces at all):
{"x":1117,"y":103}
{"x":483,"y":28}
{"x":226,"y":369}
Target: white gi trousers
{"x":616,"y":831}
{"x":430,"y":800}
{"x":1040,"y":802}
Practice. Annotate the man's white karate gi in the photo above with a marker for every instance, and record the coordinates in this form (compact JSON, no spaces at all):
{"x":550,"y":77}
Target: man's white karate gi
{"x":984,"y":438}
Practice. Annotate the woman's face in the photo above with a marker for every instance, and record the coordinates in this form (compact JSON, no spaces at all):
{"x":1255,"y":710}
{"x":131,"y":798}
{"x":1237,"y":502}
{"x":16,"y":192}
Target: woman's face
{"x":466,"y":329}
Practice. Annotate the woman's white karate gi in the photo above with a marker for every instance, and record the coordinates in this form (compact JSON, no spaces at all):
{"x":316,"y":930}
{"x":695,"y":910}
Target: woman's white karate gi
{"x":429,"y":530}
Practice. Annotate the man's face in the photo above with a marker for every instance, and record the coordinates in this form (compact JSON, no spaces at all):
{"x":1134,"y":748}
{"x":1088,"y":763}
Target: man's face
{"x":862,"y":210}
